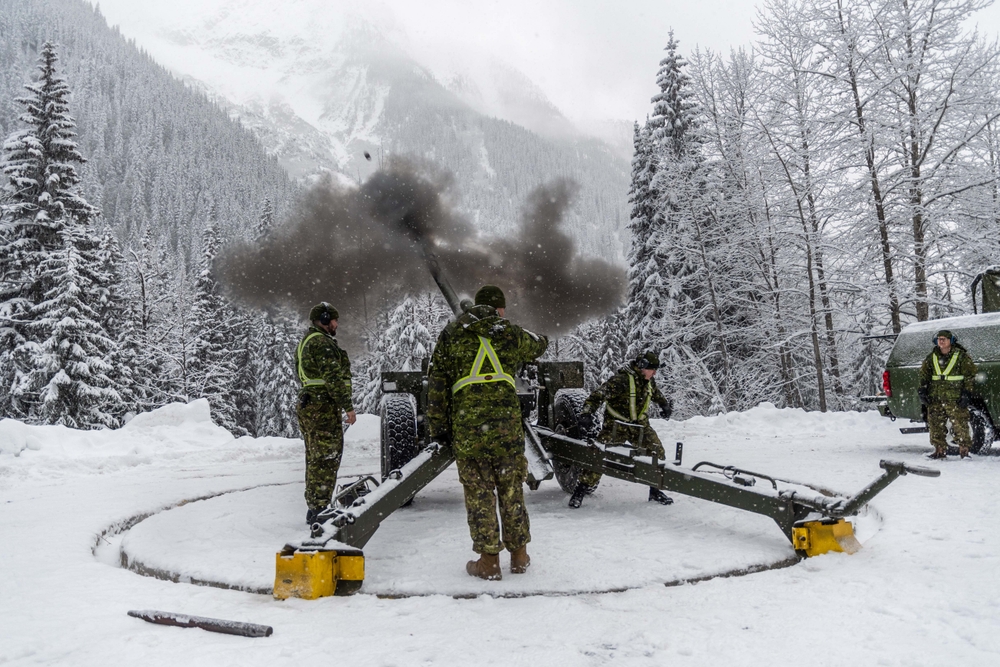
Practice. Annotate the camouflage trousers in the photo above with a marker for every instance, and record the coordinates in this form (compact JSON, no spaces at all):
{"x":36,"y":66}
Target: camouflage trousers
{"x":321,"y":428}
{"x":609,"y":435}
{"x":938,"y":414}
{"x":488,"y":481}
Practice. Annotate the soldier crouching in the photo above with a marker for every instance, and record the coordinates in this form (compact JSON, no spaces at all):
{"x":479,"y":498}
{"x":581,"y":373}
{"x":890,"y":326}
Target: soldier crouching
{"x":627,"y":395}
{"x":474,"y":407}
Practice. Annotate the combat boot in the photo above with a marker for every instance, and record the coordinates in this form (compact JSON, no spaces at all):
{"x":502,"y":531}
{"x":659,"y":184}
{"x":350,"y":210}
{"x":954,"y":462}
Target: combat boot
{"x":655,"y":495}
{"x":939,"y":453}
{"x":519,"y":560}
{"x":963,"y":452}
{"x":487,"y":567}
{"x":577,"y":498}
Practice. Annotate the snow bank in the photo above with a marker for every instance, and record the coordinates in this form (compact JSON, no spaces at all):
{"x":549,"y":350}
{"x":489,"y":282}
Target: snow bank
{"x":363,"y":435}
{"x":766,"y":419}
{"x":168,"y":433}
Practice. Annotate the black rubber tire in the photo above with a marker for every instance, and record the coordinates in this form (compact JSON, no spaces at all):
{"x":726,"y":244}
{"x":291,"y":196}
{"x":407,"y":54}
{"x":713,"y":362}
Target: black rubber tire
{"x":398,"y":413}
{"x":983,"y":433}
{"x":568,"y":406}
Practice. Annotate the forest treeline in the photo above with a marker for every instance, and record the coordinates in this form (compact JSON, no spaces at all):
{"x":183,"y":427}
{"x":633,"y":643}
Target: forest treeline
{"x":792,"y":200}
{"x":788,"y":201}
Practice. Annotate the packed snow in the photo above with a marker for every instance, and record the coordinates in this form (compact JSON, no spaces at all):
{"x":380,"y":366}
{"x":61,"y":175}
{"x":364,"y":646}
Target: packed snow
{"x":185,"y":498}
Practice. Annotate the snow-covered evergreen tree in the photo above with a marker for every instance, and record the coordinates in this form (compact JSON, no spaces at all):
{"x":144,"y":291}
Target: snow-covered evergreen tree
{"x":408,"y":342}
{"x":368,"y":369}
{"x":69,"y":372}
{"x":116,"y":312}
{"x":216,"y":345}
{"x":55,"y":363}
{"x":644,"y":282}
{"x":155,"y":322}
{"x":265,"y":389}
{"x":399,"y":340}
{"x":672,"y":254}
{"x":277,"y":392}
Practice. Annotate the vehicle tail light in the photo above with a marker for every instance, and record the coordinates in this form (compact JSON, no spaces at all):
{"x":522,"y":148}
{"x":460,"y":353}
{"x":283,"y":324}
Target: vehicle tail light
{"x":886,"y":385}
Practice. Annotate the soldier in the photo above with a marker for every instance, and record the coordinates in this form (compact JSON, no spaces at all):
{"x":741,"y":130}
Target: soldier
{"x":325,"y":373}
{"x":473,"y":406}
{"x":627,"y":394}
{"x":947,"y":380}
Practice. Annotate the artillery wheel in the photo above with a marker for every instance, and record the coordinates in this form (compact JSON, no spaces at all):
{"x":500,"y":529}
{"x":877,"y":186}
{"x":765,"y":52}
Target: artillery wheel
{"x":983,"y":433}
{"x":398,"y":413}
{"x":568,"y":406}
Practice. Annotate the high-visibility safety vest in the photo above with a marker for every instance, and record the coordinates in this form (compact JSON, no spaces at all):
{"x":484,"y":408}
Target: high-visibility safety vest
{"x":306,"y":381}
{"x":633,"y":415}
{"x":946,"y":373}
{"x":476,"y":375}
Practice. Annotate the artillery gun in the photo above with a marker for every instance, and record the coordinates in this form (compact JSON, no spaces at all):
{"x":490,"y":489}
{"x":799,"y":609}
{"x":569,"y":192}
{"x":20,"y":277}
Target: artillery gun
{"x":331,"y":560}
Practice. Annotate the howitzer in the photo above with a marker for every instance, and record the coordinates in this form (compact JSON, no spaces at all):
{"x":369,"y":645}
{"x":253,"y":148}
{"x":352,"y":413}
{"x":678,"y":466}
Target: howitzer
{"x":331,"y":562}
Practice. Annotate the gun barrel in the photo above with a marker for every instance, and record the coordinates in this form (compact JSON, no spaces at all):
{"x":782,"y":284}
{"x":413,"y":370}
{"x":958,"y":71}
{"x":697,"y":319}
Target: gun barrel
{"x":446,"y":289}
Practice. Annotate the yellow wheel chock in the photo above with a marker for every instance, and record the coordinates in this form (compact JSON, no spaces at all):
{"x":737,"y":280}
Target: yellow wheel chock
{"x":316,"y":574}
{"x":819,"y":537}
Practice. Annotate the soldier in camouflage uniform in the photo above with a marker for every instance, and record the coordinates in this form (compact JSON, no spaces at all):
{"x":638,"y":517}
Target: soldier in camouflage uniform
{"x":473,"y":406}
{"x":627,"y":394}
{"x":325,"y":373}
{"x":947,"y":381}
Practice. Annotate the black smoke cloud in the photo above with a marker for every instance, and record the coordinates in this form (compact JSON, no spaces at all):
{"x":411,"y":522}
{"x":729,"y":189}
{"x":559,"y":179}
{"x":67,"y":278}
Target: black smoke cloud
{"x":357,"y":248}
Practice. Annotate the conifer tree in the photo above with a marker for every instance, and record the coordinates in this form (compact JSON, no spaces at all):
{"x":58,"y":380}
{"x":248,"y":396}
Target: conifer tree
{"x":55,"y":363}
{"x":266,"y":387}
{"x":278,"y":392}
{"x":368,"y":370}
{"x":613,"y":347}
{"x":69,"y":369}
{"x":116,"y":313}
{"x":643,"y":278}
{"x":215,"y":346}
{"x":408,"y":341}
{"x":662,"y":171}
{"x":154,"y":327}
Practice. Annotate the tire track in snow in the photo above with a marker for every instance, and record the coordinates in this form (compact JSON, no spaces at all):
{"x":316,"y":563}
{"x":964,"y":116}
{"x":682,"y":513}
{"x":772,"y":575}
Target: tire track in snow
{"x":125,"y":561}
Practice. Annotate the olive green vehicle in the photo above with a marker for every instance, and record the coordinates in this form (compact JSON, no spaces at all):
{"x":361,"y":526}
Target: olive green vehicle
{"x":980,"y":335}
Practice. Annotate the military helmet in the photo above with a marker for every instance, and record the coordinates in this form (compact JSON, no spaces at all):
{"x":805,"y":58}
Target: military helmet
{"x":323,"y":312}
{"x":490,"y":295}
{"x":647,"y":360}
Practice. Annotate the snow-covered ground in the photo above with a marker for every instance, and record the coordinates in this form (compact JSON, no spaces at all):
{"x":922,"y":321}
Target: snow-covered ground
{"x":925,"y":589}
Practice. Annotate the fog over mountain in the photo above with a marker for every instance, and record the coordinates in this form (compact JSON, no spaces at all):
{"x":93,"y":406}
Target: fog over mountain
{"x":323,"y":83}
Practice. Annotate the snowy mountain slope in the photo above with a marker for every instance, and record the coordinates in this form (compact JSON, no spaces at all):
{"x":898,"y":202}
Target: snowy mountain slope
{"x":494,"y":88}
{"x":322,"y":83}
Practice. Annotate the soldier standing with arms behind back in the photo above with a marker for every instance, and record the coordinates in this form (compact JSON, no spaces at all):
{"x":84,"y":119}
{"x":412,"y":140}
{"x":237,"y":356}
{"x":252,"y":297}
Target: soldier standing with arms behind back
{"x":947,"y":380}
{"x":325,"y":373}
{"x":627,"y":394}
{"x":473,"y":406}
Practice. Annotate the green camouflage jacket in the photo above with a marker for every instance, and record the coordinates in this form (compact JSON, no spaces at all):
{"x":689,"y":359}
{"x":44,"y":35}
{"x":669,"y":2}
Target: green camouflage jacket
{"x":948,"y":390}
{"x":616,"y":393}
{"x":479,"y":415}
{"x":324,"y":369}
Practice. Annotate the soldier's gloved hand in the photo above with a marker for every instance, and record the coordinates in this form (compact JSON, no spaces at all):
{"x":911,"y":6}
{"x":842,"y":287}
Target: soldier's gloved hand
{"x":925,"y":398}
{"x":586,"y":423}
{"x":964,"y":399}
{"x":667,"y":409}
{"x":352,"y":417}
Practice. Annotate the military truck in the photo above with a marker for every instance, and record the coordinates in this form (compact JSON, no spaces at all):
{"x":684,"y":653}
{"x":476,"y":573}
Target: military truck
{"x":980,"y":335}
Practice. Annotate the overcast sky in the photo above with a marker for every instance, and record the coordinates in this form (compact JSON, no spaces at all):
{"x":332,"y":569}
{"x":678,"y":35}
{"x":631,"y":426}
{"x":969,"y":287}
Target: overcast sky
{"x":595,"y":59}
